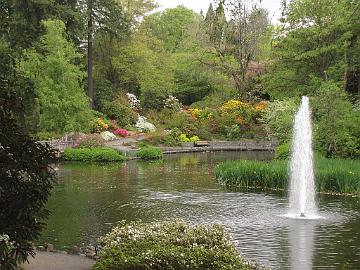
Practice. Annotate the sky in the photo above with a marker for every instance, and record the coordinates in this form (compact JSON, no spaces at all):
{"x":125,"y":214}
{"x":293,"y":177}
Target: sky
{"x":273,"y":6}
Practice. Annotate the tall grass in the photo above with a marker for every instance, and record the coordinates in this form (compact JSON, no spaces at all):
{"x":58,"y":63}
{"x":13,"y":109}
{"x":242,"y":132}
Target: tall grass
{"x":331,"y":175}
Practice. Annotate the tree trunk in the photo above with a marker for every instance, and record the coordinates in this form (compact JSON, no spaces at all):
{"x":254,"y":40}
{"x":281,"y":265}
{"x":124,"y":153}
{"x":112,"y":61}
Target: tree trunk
{"x":90,"y":88}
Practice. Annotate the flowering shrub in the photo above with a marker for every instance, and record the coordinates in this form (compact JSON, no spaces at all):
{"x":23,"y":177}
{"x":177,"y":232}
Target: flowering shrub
{"x":169,"y":245}
{"x":121,"y":132}
{"x":143,"y":125}
{"x":100,"y":125}
{"x":7,"y":251}
{"x":108,"y":136}
{"x":234,"y":105}
{"x":133,"y":101}
{"x":260,"y":107}
{"x":172,"y":103}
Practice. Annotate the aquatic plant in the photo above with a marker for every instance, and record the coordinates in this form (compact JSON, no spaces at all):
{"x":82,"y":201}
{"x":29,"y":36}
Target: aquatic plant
{"x":331,"y":175}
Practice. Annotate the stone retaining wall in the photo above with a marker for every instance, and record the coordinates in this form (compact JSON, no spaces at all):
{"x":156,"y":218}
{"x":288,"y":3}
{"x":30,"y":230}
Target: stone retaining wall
{"x":246,"y":145}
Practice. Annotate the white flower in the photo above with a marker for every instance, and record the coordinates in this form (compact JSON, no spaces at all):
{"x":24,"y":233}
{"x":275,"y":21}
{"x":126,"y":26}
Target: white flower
{"x":143,"y":125}
{"x":133,"y":100}
{"x":108,"y":136}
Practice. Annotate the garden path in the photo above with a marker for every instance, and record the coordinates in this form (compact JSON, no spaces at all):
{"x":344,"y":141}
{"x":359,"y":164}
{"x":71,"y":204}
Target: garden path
{"x":58,"y":261}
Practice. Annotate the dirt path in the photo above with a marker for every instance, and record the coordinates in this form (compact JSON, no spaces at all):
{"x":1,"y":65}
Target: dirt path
{"x":58,"y":261}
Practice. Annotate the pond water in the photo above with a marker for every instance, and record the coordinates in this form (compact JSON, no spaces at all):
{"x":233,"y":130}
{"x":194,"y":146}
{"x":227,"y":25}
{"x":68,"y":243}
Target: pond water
{"x":90,"y":198}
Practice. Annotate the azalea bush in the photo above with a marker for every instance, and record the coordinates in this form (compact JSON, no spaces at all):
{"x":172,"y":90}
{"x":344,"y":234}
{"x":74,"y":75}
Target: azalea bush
{"x":120,"y":131}
{"x":172,"y":103}
{"x":108,"y":136}
{"x":169,"y":245}
{"x":133,"y":101}
{"x":100,"y":125}
{"x":143,"y":125}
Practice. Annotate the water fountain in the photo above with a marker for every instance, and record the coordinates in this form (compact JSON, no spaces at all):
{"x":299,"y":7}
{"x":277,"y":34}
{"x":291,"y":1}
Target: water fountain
{"x":302,"y":187}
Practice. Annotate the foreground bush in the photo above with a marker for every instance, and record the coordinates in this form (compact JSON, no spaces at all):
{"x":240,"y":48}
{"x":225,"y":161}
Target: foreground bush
{"x":92,"y":154}
{"x":169,"y":245}
{"x":26,"y":179}
{"x":150,"y":152}
{"x":331,"y":175}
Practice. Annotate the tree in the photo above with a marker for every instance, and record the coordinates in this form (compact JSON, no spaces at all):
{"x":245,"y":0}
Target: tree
{"x":235,"y":41}
{"x":101,"y":15}
{"x":61,"y":101}
{"x":25,"y":174}
{"x":317,"y":41}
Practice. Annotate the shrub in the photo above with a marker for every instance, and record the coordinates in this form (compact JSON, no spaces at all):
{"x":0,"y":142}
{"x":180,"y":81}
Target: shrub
{"x":150,"y":152}
{"x":169,"y":245}
{"x":89,"y":141}
{"x":283,"y":151}
{"x":92,"y":154}
{"x":143,"y":125}
{"x":120,"y":110}
{"x":277,"y":119}
{"x":120,"y":131}
{"x":100,"y":125}
{"x":26,"y":180}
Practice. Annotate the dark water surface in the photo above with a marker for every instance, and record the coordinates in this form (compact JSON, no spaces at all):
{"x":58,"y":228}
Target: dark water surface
{"x":90,"y":198}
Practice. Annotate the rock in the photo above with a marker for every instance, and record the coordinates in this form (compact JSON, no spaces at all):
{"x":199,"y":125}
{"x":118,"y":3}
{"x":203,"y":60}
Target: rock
{"x":90,"y":251}
{"x":75,"y":250}
{"x":40,"y":248}
{"x":49,"y":247}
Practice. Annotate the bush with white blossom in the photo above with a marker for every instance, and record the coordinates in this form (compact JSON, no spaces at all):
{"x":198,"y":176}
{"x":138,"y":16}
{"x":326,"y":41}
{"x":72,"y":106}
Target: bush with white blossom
{"x":108,"y":136}
{"x":170,"y":245}
{"x":133,"y":101}
{"x":143,"y":125}
{"x":172,"y":103}
{"x":7,"y":251}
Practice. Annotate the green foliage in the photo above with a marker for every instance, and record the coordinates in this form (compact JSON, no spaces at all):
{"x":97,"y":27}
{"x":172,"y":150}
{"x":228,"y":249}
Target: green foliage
{"x":25,"y":185}
{"x":169,"y":245}
{"x":277,"y":119}
{"x":337,"y":130}
{"x":97,"y":154}
{"x":171,"y":26}
{"x":299,"y":62}
{"x":331,"y":175}
{"x":63,"y":105}
{"x":120,"y":110}
{"x":150,"y":152}
{"x":283,"y":151}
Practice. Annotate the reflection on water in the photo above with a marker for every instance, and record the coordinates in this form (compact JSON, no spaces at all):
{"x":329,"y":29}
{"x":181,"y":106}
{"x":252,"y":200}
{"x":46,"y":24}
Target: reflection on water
{"x":90,"y":199}
{"x":301,"y":238}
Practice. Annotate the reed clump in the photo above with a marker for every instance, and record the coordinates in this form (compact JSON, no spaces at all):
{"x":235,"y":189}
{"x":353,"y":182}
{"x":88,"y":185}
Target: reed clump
{"x":331,"y":175}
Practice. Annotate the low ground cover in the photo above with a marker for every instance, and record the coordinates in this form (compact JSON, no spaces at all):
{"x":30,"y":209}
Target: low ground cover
{"x":105,"y":154}
{"x":331,"y":175}
{"x":169,"y":245}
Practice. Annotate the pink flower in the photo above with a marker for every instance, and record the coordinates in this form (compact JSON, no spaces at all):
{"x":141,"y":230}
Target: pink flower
{"x":121,"y":132}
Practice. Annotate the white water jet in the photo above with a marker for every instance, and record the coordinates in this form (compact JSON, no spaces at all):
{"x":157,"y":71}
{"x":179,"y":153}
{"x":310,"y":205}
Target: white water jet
{"x":302,"y":187}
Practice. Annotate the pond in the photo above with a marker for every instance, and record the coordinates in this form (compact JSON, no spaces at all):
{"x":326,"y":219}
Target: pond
{"x":90,"y":198}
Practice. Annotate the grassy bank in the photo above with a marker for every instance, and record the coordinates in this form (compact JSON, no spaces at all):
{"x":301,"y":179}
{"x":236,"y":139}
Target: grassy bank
{"x":332,"y":176}
{"x":97,"y":154}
